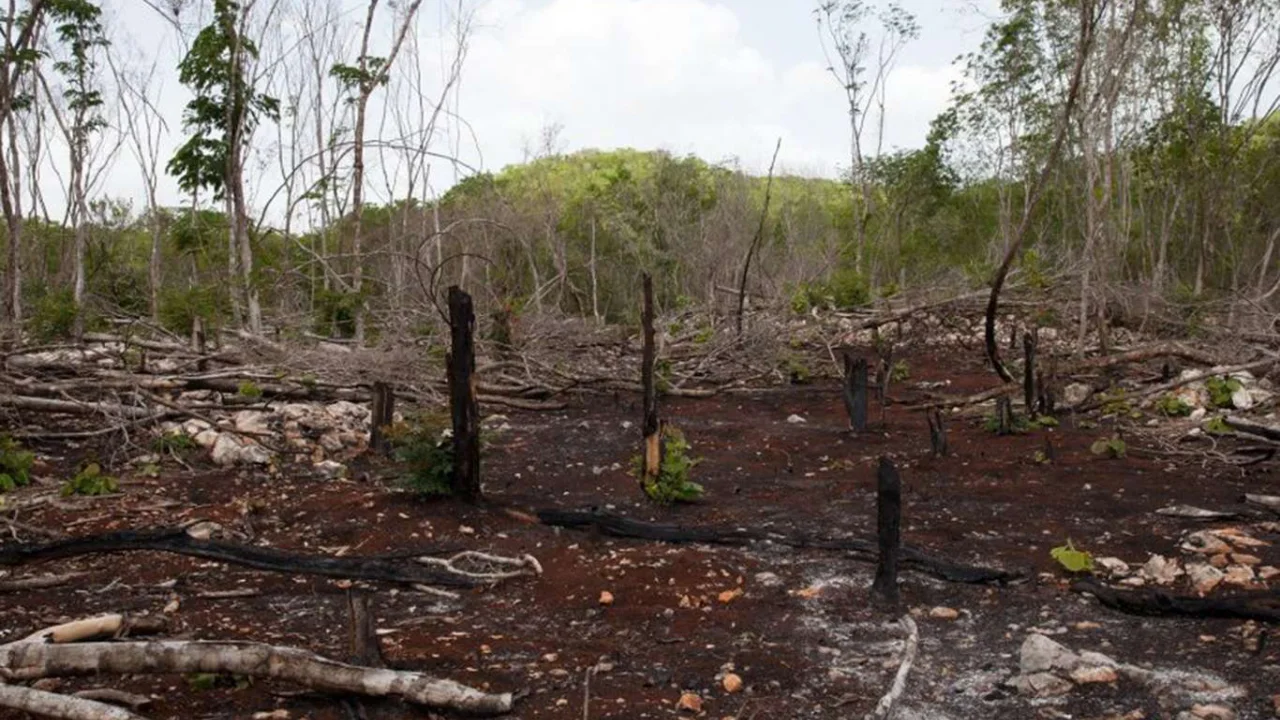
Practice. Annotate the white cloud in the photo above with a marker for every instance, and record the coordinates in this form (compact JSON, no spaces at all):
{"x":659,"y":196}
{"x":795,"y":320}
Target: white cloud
{"x":673,"y":74}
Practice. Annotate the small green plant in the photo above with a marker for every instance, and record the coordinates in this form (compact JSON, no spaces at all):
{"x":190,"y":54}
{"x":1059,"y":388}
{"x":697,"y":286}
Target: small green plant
{"x":672,"y":484}
{"x":90,"y":481}
{"x":1071,"y":559}
{"x":15,"y":464}
{"x":53,"y":317}
{"x":848,"y":289}
{"x":1221,"y":389}
{"x":1217,"y":425}
{"x":425,"y":447}
{"x":900,"y":372}
{"x":705,"y":335}
{"x":1040,"y":457}
{"x":1045,"y":421}
{"x":214,"y":681}
{"x":1173,"y":406}
{"x":662,"y":375}
{"x":174,"y":442}
{"x":797,"y":371}
{"x":1115,"y":402}
{"x":1112,"y":447}
{"x":249,"y":389}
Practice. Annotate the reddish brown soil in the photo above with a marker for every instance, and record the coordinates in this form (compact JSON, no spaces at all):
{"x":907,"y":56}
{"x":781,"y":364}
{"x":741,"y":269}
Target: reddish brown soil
{"x":821,"y":653}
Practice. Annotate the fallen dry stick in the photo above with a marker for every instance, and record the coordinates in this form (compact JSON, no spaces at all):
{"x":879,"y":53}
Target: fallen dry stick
{"x":884,"y":708}
{"x":54,"y":705}
{"x":1261,"y":605}
{"x":30,"y":661}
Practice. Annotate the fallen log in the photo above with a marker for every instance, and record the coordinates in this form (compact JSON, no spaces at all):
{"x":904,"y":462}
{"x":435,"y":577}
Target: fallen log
{"x":30,"y":661}
{"x":859,"y":548}
{"x":115,"y":625}
{"x":72,"y":407}
{"x":1264,"y":605}
{"x":177,"y":541}
{"x":1269,"y":432}
{"x":55,"y":705}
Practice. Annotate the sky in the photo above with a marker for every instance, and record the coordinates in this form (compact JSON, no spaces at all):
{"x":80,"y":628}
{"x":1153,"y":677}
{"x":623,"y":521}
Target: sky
{"x":721,"y":79}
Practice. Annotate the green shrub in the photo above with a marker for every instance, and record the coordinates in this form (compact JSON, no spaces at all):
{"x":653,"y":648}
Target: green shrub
{"x":900,"y":372}
{"x":1112,"y":447}
{"x":805,"y":298}
{"x":425,"y":447}
{"x":15,"y":464}
{"x":179,"y":307}
{"x":53,"y":316}
{"x":1217,"y":425}
{"x":673,"y":484}
{"x":1221,"y":389}
{"x":174,"y":442}
{"x":1173,"y":406}
{"x":797,"y":371}
{"x":335,"y":312}
{"x":848,"y":289}
{"x":90,"y":481}
{"x":249,"y":389}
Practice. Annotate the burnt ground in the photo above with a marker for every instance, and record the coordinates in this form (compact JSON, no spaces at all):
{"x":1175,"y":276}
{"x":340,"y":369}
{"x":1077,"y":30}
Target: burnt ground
{"x":802,"y":634}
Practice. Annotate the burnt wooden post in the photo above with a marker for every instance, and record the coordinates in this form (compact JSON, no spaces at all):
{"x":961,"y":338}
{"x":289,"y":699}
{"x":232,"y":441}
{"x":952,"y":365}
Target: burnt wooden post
{"x":384,"y":407}
{"x":888,"y":531}
{"x":652,"y":429}
{"x":1029,"y":394}
{"x":465,"y":409}
{"x":1004,"y":415}
{"x":855,"y":392}
{"x":937,"y":433}
{"x":362,"y":637}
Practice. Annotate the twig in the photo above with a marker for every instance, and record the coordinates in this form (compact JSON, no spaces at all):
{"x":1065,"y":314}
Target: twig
{"x":911,"y":644}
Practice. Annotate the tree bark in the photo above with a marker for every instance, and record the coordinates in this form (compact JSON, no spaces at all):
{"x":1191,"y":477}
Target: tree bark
{"x":755,"y":241}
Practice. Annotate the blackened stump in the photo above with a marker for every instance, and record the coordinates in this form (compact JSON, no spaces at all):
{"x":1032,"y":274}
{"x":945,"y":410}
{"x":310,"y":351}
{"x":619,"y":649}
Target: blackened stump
{"x":888,"y":532}
{"x":465,"y":480}
{"x":855,"y":392}
{"x":651,"y":465}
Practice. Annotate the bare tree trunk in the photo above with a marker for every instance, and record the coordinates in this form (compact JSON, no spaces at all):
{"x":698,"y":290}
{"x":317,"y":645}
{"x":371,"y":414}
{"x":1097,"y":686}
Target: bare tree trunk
{"x":1088,"y":21}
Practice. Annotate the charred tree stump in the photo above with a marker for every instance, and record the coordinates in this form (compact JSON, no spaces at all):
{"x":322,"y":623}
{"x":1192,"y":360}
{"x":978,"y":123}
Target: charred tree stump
{"x":464,"y":408}
{"x":1029,"y":395}
{"x":384,"y":407}
{"x":363,"y":637}
{"x":651,"y":466}
{"x":888,"y":532}
{"x":855,"y":392}
{"x":1004,"y":415}
{"x":937,"y":433}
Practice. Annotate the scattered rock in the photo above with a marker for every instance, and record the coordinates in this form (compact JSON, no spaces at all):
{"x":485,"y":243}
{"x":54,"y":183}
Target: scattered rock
{"x":732,"y":683}
{"x":1076,"y":393}
{"x":254,"y":422}
{"x":729,"y":596}
{"x":768,"y":579}
{"x":1087,"y":625}
{"x":1220,"y":560}
{"x":1113,"y":565}
{"x":606,"y":598}
{"x":1204,"y":577}
{"x":280,"y":714}
{"x":796,"y":419}
{"x":331,"y":469}
{"x":944,"y":613}
{"x":1211,"y":712}
{"x":689,"y":702}
{"x":1239,"y":575}
{"x":1161,"y":570}
{"x":1039,"y":654}
{"x":1086,"y":675}
{"x":1205,"y":542}
{"x":1243,"y":559}
{"x":1041,"y":684}
{"x":1198,"y":415}
{"x":1242,"y":399}
{"x":1268,"y":572}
